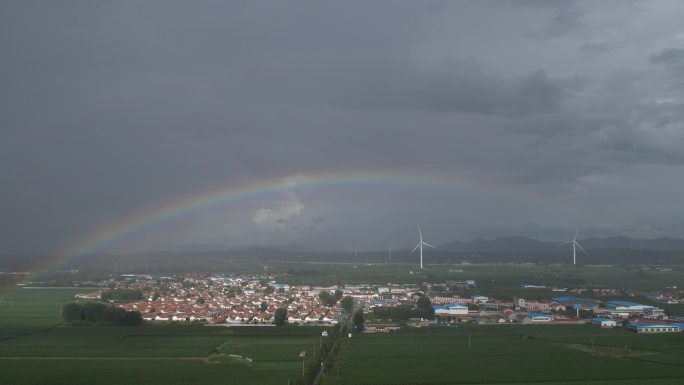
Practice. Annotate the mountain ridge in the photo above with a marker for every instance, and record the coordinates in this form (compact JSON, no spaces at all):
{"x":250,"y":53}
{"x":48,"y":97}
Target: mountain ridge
{"x":521,"y":243}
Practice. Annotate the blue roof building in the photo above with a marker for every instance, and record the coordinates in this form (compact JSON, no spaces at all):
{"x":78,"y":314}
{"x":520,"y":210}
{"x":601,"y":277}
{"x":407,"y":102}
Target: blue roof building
{"x":575,"y":302}
{"x":540,"y":317}
{"x":654,"y":327}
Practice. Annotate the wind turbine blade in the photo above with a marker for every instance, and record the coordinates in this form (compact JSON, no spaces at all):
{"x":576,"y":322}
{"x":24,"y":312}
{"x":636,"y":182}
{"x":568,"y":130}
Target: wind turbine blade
{"x":420,"y":235}
{"x":564,"y":243}
{"x":429,"y":245}
{"x":580,"y":246}
{"x":416,"y":248}
{"x":575,"y":235}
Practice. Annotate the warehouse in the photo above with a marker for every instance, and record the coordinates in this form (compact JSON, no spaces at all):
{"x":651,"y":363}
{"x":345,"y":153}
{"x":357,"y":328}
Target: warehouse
{"x":451,"y":309}
{"x":653,"y":327}
{"x":575,"y":302}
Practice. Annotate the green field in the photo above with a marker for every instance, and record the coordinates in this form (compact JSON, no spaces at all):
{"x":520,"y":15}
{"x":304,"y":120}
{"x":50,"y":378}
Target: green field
{"x":36,"y":348}
{"x":507,"y":354}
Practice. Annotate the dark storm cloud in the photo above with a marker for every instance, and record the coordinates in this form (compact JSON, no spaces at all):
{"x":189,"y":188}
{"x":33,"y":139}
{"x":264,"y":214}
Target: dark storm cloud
{"x":109,"y":109}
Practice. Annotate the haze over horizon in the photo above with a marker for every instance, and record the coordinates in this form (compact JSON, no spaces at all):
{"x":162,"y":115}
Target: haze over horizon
{"x":340,"y":124}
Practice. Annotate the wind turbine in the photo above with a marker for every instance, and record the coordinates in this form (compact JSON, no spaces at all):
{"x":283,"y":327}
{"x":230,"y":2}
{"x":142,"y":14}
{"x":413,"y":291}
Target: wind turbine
{"x":420,"y":246}
{"x":575,"y":245}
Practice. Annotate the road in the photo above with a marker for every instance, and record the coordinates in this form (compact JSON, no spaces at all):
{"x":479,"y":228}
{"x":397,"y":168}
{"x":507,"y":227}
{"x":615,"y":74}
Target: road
{"x":343,"y":326}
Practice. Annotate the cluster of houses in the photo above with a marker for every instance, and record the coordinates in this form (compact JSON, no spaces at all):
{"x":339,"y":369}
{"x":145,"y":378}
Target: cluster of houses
{"x":224,"y":300}
{"x":254,"y":299}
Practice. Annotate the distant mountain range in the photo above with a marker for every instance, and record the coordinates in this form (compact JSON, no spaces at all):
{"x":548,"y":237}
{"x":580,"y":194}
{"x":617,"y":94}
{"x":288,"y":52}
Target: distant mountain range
{"x":479,"y":245}
{"x":505,"y":244}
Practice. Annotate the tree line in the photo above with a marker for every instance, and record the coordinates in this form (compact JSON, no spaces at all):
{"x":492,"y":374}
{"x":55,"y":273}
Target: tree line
{"x":327,"y":353}
{"x":422,"y":309}
{"x":100,"y":313}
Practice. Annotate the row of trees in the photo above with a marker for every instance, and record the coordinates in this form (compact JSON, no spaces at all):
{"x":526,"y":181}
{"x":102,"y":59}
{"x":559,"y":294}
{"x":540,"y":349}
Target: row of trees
{"x":359,"y":321}
{"x":326,"y":354}
{"x":422,"y":309}
{"x":100,"y":313}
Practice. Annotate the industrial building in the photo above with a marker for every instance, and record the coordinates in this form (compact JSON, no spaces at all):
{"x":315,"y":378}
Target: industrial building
{"x":575,"y":302}
{"x":451,"y":310}
{"x":655,"y":327}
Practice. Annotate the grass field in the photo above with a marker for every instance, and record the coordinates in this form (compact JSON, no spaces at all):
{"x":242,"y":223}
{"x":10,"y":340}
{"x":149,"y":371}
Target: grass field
{"x":499,"y":354}
{"x":35,"y":348}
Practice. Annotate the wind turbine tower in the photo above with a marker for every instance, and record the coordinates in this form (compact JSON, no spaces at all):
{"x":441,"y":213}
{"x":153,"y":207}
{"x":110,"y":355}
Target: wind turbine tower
{"x":420,"y":246}
{"x":575,"y":245}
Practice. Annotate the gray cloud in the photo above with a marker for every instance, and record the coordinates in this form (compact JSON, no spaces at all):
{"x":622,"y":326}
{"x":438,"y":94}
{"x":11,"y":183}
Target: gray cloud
{"x":462,"y":87}
{"x":108,"y":111}
{"x":565,"y":17}
{"x":673,"y":60}
{"x":596,"y":48}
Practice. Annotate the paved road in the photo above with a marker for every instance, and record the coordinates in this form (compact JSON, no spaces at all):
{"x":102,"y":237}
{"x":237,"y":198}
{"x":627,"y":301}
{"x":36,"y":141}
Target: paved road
{"x":319,"y":366}
{"x":343,"y":323}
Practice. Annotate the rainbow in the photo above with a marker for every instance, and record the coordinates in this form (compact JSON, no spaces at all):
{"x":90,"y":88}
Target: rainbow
{"x":135,"y":223}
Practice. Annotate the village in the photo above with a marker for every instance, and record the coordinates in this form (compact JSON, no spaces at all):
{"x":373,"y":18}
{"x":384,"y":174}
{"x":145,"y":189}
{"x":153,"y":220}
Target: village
{"x":242,"y":300}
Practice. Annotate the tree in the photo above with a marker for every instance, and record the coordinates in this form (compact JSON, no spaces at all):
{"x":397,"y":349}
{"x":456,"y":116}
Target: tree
{"x":200,"y":301}
{"x":269,"y":290}
{"x":338,"y":294}
{"x":347,"y":304}
{"x":263,"y":306}
{"x":359,"y":321}
{"x":115,"y":316}
{"x":327,"y":298}
{"x":132,"y":318}
{"x":95,"y":311}
{"x":425,"y":306}
{"x":72,"y":312}
{"x":280,"y":317}
{"x":423,"y":302}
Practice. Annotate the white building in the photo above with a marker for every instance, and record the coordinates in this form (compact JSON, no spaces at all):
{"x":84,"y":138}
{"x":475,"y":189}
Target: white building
{"x":451,"y":309}
{"x":604,"y":322}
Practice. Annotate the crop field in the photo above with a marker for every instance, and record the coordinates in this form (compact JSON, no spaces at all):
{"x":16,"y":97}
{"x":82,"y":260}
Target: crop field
{"x":36,"y":348}
{"x":27,"y":311}
{"x":503,"y":354}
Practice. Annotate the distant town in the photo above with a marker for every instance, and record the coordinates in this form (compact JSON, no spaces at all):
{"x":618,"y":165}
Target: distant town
{"x":253,"y":299}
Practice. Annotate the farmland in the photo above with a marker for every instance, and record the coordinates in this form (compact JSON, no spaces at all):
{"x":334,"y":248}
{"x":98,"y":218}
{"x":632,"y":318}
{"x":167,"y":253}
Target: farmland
{"x":35,"y":348}
{"x":513,"y":354}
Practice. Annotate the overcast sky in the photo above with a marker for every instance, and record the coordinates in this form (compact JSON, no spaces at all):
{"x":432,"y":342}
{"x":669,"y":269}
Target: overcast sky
{"x":550,"y":114}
